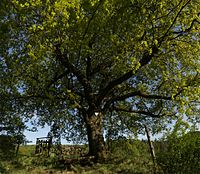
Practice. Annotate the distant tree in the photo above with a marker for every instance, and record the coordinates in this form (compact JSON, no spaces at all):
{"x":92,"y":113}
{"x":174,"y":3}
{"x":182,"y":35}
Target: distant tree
{"x":75,"y":62}
{"x":13,"y":129}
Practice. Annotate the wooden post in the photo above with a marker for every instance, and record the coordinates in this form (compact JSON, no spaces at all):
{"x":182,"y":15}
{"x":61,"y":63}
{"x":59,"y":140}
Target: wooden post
{"x":17,"y":149}
{"x":151,"y":148}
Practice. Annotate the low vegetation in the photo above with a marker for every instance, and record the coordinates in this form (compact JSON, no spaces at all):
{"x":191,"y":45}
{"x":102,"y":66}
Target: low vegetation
{"x":181,"y":155}
{"x":177,"y":155}
{"x":125,"y":157}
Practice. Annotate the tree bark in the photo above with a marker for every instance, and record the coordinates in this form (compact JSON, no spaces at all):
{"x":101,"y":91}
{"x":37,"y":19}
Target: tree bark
{"x":94,"y":126}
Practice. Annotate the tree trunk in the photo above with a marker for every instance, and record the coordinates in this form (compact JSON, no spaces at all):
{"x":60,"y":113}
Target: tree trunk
{"x":97,"y":148}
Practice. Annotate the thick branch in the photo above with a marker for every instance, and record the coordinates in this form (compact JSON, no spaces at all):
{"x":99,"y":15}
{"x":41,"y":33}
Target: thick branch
{"x":88,"y":68}
{"x":144,"y":61}
{"x":56,"y":78}
{"x":80,"y":76}
{"x":143,"y":95}
{"x":147,"y":113}
{"x":140,"y":94}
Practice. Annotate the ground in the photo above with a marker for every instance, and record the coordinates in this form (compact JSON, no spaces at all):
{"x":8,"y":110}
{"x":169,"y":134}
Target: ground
{"x":132,"y":159}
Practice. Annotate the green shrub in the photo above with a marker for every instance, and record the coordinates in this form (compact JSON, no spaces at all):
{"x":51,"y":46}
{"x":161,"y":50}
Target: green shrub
{"x":7,"y":147}
{"x":129,"y":148}
{"x":2,"y":168}
{"x":182,"y":155}
{"x":131,"y":157}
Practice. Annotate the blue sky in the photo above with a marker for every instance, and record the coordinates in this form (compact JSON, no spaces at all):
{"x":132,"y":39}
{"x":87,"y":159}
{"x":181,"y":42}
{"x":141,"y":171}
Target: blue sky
{"x":31,"y":136}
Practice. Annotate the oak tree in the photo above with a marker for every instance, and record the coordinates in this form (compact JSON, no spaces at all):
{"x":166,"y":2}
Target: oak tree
{"x":72,"y":63}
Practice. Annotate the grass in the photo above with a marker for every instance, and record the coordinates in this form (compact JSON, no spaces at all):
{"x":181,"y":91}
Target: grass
{"x":125,"y":158}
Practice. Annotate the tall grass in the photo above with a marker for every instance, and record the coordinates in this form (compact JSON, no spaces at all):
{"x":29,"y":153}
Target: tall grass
{"x":126,"y":157}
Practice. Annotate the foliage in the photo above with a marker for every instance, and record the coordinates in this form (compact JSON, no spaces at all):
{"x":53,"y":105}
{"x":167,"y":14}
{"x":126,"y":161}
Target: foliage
{"x":11,"y":135}
{"x":182,"y":152}
{"x":7,"y":147}
{"x":64,"y":61}
{"x":131,"y":156}
{"x":137,"y":160}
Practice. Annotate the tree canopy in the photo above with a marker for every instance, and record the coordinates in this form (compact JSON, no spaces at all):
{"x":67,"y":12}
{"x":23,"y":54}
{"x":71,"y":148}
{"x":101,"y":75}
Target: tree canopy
{"x":82,"y":64}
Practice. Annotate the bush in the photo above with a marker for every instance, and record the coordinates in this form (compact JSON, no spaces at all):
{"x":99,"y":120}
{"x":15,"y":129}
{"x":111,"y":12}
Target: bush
{"x":131,"y":156}
{"x":7,"y":147}
{"x":182,"y":155}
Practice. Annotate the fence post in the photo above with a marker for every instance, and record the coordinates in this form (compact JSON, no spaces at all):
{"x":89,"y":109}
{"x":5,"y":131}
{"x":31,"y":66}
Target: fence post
{"x":151,"y":148}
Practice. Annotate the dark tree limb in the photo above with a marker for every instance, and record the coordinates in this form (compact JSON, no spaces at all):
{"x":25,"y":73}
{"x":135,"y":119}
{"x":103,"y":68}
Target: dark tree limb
{"x":172,"y":24}
{"x":92,"y":17}
{"x":142,"y":112}
{"x":56,"y":78}
{"x":144,"y":61}
{"x":71,"y":68}
{"x":180,"y":33}
{"x":190,"y":82}
{"x":141,"y":94}
{"x":87,"y":27}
